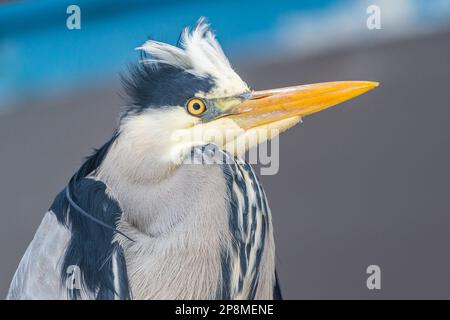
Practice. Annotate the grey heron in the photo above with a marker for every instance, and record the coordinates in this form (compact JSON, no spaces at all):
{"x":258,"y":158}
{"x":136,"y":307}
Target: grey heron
{"x":138,"y":222}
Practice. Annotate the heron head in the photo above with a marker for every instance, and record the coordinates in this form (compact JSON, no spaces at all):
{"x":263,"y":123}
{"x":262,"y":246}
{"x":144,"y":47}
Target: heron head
{"x":188,"y":95}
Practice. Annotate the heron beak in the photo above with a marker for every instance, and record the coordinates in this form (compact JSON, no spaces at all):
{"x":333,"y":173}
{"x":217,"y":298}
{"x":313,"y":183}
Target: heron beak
{"x":269,"y":106}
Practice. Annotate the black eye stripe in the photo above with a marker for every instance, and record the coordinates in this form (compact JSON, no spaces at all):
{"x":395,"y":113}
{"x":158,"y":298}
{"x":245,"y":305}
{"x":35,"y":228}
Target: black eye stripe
{"x":149,"y":87}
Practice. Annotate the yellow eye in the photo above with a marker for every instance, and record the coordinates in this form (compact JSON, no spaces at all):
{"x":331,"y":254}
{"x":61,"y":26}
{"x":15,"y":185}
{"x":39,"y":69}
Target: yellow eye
{"x":196,"y":106}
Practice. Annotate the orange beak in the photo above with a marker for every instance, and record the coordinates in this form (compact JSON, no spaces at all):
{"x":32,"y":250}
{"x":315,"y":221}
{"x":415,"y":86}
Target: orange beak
{"x":269,"y":106}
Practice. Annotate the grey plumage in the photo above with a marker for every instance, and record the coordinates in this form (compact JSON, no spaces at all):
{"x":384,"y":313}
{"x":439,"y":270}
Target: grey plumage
{"x":237,"y":264}
{"x":250,"y":222}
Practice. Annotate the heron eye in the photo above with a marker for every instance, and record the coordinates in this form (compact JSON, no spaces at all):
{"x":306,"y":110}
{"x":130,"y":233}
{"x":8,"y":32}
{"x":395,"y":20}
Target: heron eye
{"x":196,"y":106}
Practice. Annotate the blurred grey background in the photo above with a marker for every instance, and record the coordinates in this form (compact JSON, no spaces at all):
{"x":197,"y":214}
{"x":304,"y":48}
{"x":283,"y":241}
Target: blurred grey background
{"x":364,"y":183}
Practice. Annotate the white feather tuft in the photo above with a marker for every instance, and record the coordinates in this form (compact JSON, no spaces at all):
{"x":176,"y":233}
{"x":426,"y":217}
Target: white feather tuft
{"x":198,"y":53}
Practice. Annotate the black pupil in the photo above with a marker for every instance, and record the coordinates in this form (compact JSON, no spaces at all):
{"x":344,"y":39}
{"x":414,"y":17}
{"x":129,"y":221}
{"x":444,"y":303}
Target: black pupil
{"x":196,"y":106}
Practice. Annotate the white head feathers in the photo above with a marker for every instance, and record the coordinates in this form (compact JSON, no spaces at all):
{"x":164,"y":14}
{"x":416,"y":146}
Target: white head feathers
{"x":199,"y":53}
